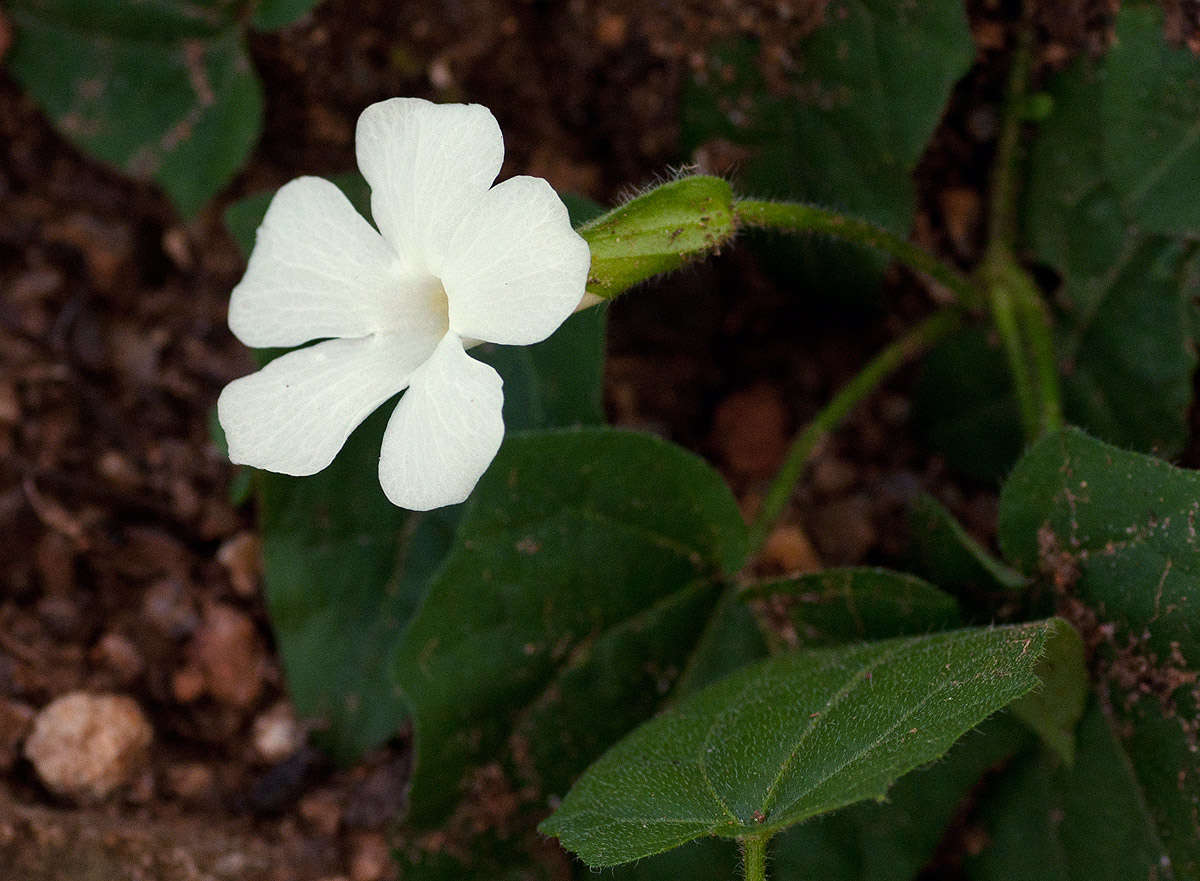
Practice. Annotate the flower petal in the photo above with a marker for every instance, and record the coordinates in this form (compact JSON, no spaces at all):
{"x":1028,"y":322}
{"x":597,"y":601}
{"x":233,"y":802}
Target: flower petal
{"x":293,"y":416}
{"x":515,"y":269}
{"x":318,"y":269}
{"x":427,"y":164}
{"x":445,"y":431}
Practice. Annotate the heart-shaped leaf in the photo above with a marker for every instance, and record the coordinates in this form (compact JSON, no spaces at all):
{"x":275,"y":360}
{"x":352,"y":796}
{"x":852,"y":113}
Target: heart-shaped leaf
{"x":887,"y":840}
{"x":159,"y":90}
{"x":1115,"y":532}
{"x":794,"y":737}
{"x":585,"y":569}
{"x":1116,"y":528}
{"x":843,"y":126}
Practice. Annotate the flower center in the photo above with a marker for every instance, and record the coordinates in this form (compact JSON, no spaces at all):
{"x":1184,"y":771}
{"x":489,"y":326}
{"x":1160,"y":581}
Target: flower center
{"x":423,"y":308}
{"x":439,"y":304}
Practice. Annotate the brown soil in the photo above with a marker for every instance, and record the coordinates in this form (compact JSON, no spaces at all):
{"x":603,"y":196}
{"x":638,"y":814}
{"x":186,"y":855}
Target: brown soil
{"x":123,"y":566}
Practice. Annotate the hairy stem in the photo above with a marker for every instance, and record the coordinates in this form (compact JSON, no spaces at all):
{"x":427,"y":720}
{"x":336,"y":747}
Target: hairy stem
{"x":754,"y":859}
{"x":883,"y":365}
{"x":1018,"y":311}
{"x":797,"y":217}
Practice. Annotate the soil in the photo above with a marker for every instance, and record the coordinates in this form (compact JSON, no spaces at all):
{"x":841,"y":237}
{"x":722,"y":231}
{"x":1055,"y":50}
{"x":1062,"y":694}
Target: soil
{"x":125,"y":569}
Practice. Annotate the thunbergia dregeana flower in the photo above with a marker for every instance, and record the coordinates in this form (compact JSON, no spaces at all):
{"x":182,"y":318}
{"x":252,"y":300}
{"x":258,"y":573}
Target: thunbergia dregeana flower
{"x":455,"y":259}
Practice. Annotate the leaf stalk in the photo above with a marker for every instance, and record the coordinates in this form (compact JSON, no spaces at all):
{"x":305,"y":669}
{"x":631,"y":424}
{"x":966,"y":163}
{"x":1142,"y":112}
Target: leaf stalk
{"x":883,"y":365}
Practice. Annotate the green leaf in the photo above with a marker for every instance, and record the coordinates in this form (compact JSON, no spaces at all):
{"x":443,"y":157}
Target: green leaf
{"x":793,"y":737}
{"x":947,"y":554}
{"x":273,"y":14}
{"x":892,"y":840}
{"x":164,"y":92}
{"x":558,"y":382}
{"x":344,"y":570}
{"x":586,"y":564}
{"x":1159,"y":732}
{"x":869,"y":88}
{"x":846,"y":126}
{"x":1125,"y":318}
{"x":844,"y":605}
{"x":887,"y":840}
{"x":1085,"y":823}
{"x":1055,"y":708}
{"x":731,"y":639}
{"x":1151,"y":118}
{"x":965,"y":407}
{"x":657,"y":232}
{"x":1117,"y":528}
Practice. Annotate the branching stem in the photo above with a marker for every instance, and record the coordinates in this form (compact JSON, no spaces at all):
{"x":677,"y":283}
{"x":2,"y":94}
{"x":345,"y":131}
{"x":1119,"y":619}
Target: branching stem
{"x":1018,"y":311}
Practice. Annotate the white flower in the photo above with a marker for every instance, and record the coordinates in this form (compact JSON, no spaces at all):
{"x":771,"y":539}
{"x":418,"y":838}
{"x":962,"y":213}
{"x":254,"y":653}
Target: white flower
{"x":455,"y":259}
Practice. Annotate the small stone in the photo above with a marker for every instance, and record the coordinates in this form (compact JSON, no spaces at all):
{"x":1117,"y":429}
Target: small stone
{"x":176,"y":246}
{"x":371,"y":858}
{"x":241,"y":556}
{"x":228,"y":650}
{"x":440,"y":75}
{"x":107,"y":247}
{"x":120,"y":655}
{"x":167,"y":606}
{"x":187,"y":684}
{"x":323,"y":811}
{"x":844,"y":530}
{"x":61,"y":616}
{"x":10,"y":404}
{"x":116,"y":468}
{"x":15,"y":719}
{"x":833,"y":476}
{"x":962,"y":209}
{"x":611,"y":30}
{"x":277,"y":734}
{"x":789,"y":549}
{"x":989,"y":34}
{"x":379,"y":798}
{"x":750,"y":429}
{"x":190,"y":781}
{"x":84,"y":746}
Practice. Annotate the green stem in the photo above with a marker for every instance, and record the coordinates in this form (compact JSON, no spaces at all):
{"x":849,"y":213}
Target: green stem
{"x":797,"y":217}
{"x":932,"y":329}
{"x":1002,"y":212}
{"x":1035,"y":318}
{"x":1001,"y":298}
{"x":754,"y":859}
{"x":1019,"y":314}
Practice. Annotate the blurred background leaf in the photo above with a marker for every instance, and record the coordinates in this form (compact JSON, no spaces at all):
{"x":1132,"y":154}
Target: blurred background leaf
{"x":846,"y":128}
{"x":1043,"y":820}
{"x":161,"y":90}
